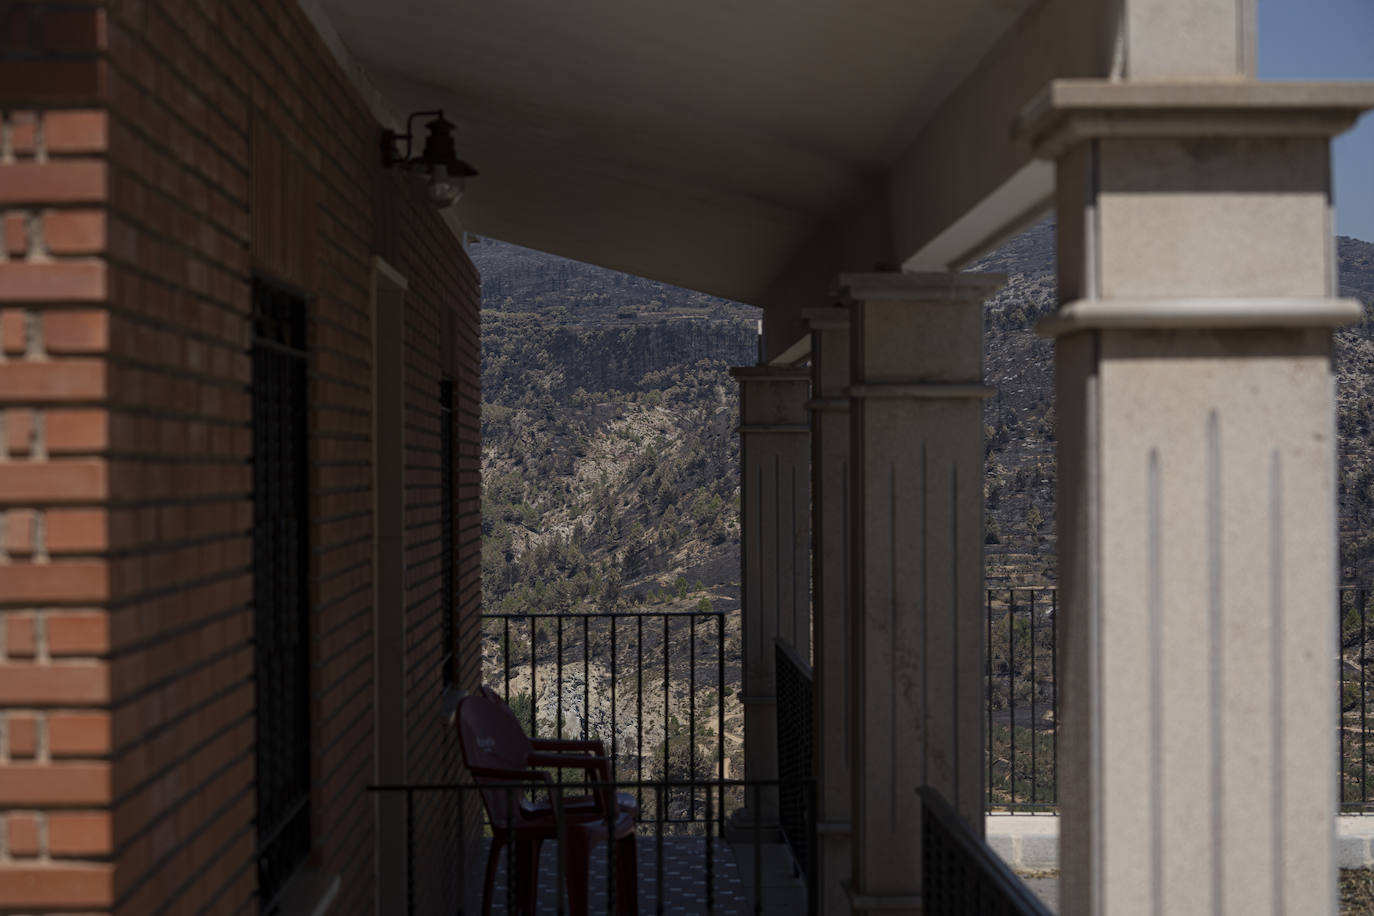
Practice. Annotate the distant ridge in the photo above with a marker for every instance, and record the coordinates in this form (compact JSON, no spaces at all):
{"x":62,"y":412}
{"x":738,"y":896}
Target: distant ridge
{"x":553,"y":327}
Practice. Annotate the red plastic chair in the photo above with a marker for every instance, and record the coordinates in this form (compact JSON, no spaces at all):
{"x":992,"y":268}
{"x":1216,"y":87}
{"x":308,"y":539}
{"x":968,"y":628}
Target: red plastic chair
{"x":573,"y":803}
{"x":499,"y":755}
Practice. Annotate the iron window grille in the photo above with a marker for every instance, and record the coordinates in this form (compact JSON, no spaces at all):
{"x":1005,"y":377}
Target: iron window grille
{"x":280,"y":588}
{"x":448,"y":662}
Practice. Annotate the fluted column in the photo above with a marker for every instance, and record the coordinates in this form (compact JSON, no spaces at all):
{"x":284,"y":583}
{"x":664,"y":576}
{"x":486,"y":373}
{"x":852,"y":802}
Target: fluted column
{"x":1196,"y":505}
{"x":775,"y":554}
{"x":916,"y":647}
{"x":829,"y":407}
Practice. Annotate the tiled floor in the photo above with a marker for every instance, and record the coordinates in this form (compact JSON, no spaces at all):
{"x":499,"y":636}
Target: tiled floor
{"x":684,"y":880}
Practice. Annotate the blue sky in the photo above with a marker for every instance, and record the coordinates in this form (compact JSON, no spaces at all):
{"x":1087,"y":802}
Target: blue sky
{"x":1334,"y":40}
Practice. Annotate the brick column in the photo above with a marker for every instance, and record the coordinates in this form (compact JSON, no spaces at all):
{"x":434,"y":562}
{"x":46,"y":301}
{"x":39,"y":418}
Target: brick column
{"x":829,"y":406}
{"x":775,"y":554}
{"x":916,"y":648}
{"x":55,"y":477}
{"x":1196,"y":493}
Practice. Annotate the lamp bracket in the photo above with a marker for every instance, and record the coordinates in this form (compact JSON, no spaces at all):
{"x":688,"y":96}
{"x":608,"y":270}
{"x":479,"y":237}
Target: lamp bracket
{"x":390,"y":155}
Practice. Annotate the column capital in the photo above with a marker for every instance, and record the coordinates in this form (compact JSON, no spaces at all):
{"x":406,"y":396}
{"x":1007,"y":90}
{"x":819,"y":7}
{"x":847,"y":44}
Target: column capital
{"x":1070,"y":111}
{"x":944,"y":287}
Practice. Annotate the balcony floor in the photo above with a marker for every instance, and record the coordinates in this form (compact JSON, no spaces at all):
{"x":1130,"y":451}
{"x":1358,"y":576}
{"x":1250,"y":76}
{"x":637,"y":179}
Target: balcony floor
{"x":684,"y":879}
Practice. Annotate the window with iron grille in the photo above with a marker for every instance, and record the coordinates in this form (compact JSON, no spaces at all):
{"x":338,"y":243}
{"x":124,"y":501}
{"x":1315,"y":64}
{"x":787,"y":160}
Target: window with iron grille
{"x":280,"y":587}
{"x":449,"y":663}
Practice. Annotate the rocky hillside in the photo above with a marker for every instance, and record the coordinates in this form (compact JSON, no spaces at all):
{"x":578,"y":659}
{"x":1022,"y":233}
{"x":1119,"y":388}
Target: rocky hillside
{"x":1019,"y":421}
{"x":610,"y":472}
{"x":610,"y":484}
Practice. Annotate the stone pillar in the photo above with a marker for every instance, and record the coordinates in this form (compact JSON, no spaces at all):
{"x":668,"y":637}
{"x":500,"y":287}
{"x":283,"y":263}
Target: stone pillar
{"x":775,"y":555}
{"x":829,"y":407}
{"x":916,"y":641}
{"x":1197,"y":531}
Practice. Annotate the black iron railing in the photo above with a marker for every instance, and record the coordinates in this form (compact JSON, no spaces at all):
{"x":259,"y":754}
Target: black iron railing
{"x":795,"y":701}
{"x":695,"y":872}
{"x":1355,"y":660}
{"x":961,"y":875}
{"x":651,"y":686}
{"x":1022,"y":717}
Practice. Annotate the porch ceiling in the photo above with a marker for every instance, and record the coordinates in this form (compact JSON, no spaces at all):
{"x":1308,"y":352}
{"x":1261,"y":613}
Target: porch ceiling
{"x":703,"y":144}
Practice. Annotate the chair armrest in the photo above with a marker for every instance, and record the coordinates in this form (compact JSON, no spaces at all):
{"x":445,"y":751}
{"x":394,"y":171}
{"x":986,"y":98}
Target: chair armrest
{"x":598,"y":767}
{"x":513,"y":775}
{"x":568,"y":744}
{"x":572,"y":761}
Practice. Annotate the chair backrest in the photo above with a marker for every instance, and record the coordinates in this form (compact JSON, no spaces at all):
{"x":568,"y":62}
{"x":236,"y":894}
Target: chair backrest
{"x":491,"y":738}
{"x":491,"y":696}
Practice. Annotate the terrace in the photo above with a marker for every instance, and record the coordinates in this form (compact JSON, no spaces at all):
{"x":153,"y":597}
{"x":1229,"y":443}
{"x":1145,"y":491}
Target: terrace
{"x":620,"y":678}
{"x":239,"y":373}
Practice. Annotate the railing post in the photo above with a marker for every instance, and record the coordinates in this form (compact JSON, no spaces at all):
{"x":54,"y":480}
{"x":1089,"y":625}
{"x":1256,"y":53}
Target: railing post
{"x":410,"y":852}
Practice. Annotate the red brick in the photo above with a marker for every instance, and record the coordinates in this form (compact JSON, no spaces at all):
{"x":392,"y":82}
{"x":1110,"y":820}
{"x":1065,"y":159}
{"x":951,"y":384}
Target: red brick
{"x":78,"y":734}
{"x":56,"y":381}
{"x":78,"y":634}
{"x":24,"y":132}
{"x":67,"y":886}
{"x":22,"y":833}
{"x":56,"y":80}
{"x":76,"y":132}
{"x":76,"y":431}
{"x":77,"y":530}
{"x":23,"y":735}
{"x":53,"y":281}
{"x":19,"y":432}
{"x":66,"y":181}
{"x":79,"y":834}
{"x":77,"y":332}
{"x":24,"y":583}
{"x":16,"y":233}
{"x":13,"y":333}
{"x":69,"y":232}
{"x":53,"y":685}
{"x":74,"y":30}
{"x":21,"y":640}
{"x":54,"y":481}
{"x":19,"y":531}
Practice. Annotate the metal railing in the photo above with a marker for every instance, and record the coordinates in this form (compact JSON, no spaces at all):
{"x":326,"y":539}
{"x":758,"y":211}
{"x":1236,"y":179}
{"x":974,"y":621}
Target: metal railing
{"x":1355,"y":662}
{"x":961,"y":875}
{"x":795,"y":700}
{"x":700,"y":872}
{"x":641,"y":693}
{"x":585,"y":675}
{"x":1022,"y":698}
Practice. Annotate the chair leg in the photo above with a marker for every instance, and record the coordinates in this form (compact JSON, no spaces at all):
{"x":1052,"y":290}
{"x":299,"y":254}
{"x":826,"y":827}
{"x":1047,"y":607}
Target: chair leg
{"x":527,"y":873}
{"x":626,"y":877}
{"x":575,"y":867}
{"x":493,"y":858}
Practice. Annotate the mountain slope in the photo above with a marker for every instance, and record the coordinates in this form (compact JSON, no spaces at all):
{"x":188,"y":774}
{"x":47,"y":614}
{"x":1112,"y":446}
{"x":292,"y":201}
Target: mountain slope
{"x":609,"y":451}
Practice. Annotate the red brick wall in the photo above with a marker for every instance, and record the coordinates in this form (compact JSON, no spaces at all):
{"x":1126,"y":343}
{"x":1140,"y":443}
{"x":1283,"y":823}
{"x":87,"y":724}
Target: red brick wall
{"x":56,"y":469}
{"x":160,"y":153}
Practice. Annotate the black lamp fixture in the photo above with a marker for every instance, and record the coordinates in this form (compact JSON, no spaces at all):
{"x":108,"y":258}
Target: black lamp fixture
{"x":439,"y":165}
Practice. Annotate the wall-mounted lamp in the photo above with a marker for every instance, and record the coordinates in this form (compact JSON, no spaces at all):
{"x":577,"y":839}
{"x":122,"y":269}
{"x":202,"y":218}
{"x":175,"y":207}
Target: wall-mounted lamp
{"x":439,"y":165}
